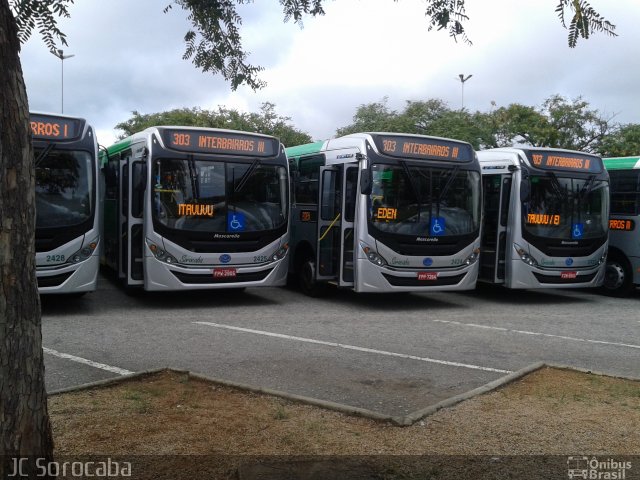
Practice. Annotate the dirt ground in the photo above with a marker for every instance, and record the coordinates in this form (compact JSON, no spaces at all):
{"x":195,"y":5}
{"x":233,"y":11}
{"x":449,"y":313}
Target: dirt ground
{"x":549,"y":412}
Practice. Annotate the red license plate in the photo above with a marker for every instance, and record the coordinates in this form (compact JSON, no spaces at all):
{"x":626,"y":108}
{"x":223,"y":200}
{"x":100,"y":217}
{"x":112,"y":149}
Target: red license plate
{"x":568,"y":275}
{"x":224,"y":272}
{"x":428,"y":276}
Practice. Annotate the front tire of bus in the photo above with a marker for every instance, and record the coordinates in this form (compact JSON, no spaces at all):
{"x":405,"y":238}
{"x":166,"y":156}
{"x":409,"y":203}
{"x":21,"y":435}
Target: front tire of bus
{"x":618,"y":278}
{"x":308,"y":283}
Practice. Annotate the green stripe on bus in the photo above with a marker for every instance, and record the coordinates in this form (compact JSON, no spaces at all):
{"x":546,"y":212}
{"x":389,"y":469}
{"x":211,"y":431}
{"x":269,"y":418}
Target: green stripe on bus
{"x":305,"y":149}
{"x":621,"y":163}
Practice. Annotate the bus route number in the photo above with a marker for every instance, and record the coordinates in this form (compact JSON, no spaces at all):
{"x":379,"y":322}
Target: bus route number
{"x":389,"y":145}
{"x":182,"y":139}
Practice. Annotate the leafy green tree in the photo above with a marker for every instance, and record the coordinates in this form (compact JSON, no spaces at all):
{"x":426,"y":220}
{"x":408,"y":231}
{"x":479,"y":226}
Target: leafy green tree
{"x":558,"y":123}
{"x":267,"y":121}
{"x":623,"y":141}
{"x":373,"y":117}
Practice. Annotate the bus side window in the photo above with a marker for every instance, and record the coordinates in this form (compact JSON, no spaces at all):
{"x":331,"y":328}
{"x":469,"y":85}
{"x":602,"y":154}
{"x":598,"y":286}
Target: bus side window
{"x":625,"y":192}
{"x":306,"y":186}
{"x":111,"y":172}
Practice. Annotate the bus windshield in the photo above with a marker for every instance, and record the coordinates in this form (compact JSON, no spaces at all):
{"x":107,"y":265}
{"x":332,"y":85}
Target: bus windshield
{"x":566,"y":208}
{"x":64,"y":187}
{"x":215,"y":196}
{"x":429,"y":201}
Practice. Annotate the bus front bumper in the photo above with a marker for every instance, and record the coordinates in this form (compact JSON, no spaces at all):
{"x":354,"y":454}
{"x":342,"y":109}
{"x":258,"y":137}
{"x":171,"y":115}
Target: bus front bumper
{"x":73,"y":278}
{"x":161,"y":276}
{"x":372,"y":278}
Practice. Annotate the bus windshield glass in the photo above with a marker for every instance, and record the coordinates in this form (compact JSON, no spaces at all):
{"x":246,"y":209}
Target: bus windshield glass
{"x":427,"y":201}
{"x":566,"y":208}
{"x":64,"y":187}
{"x":225,"y":197}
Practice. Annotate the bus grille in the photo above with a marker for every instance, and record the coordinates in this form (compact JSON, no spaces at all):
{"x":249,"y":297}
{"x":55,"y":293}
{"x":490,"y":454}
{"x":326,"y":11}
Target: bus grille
{"x":414,"y":282}
{"x":551,"y":279}
{"x":202,"y":279}
{"x":53,"y":280}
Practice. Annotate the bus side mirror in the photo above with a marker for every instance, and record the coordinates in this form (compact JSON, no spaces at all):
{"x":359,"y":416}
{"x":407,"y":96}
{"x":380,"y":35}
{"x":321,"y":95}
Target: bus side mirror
{"x":366,"y":182}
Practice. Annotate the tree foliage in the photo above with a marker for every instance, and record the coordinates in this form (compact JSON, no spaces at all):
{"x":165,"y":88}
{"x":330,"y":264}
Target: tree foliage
{"x":40,"y":14}
{"x":558,"y":122}
{"x":266,"y":121}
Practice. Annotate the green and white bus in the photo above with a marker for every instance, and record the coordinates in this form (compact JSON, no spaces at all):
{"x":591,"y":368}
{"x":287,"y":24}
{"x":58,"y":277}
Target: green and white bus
{"x":546,"y":216}
{"x":623,"y":261}
{"x":385,"y":212}
{"x":67,"y":204}
{"x":196,"y":208}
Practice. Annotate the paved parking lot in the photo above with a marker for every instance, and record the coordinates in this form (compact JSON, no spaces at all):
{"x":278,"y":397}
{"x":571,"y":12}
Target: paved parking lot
{"x":392,"y":353}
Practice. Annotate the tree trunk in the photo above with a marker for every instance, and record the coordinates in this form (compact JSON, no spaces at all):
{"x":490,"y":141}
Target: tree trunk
{"x":24,"y":420}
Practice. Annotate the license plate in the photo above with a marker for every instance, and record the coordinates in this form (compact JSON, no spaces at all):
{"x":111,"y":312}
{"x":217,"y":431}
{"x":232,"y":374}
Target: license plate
{"x":224,"y":272}
{"x":428,"y":276}
{"x":568,"y":275}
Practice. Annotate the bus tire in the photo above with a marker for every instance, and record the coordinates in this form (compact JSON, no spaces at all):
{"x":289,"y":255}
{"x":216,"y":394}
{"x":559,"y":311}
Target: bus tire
{"x":308,"y":283}
{"x":618,"y":277}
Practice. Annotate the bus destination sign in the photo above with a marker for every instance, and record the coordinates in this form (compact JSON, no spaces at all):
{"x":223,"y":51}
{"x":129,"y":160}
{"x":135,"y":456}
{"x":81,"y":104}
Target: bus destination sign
{"x":567,"y":161}
{"x":226,"y":143}
{"x":49,"y":127}
{"x":424,"y":148}
{"x":622,"y":224}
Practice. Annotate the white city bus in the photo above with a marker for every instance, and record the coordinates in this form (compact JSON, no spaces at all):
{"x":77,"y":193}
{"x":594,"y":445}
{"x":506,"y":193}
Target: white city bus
{"x":623,"y":260}
{"x":545,"y":218}
{"x":196,"y":208}
{"x":385,"y":212}
{"x":67,"y":204}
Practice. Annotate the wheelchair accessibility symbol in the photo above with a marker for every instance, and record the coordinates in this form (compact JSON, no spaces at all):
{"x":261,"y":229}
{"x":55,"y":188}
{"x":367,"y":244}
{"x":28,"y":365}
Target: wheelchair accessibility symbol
{"x":577,"y":230}
{"x":437,"y":226}
{"x":235,"y":222}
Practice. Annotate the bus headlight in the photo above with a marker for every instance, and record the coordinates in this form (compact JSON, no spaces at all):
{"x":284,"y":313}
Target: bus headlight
{"x":524,"y":256}
{"x":372,"y":255}
{"x":160,"y":254}
{"x":279,"y":255}
{"x":85,"y":252}
{"x":471,"y":259}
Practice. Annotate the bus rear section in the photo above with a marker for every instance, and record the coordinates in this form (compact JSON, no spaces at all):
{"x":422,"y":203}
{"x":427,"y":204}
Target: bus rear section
{"x":623,"y":261}
{"x":385,"y":212}
{"x":68,"y":237}
{"x":545,"y":218}
{"x":194,"y":208}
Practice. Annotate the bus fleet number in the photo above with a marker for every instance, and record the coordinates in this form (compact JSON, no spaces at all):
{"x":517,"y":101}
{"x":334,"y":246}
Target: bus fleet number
{"x":55,"y":258}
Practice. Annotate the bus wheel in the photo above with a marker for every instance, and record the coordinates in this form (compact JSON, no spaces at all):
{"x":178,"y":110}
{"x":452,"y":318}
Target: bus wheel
{"x":308,"y":283}
{"x":618,"y":280}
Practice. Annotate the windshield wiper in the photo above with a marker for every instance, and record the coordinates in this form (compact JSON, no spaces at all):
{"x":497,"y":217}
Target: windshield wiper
{"x":447,"y":185}
{"x":415,"y":189}
{"x":588,"y":187}
{"x":246,"y":175}
{"x":557,"y":188}
{"x":44,"y":153}
{"x":195,"y":182}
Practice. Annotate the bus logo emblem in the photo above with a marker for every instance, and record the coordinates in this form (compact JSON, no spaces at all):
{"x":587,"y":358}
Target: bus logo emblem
{"x":427,"y":262}
{"x":568,"y":262}
{"x":225,"y":258}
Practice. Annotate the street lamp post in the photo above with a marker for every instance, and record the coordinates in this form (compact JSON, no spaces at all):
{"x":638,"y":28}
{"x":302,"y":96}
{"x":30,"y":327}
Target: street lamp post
{"x":60,"y":54}
{"x":462,"y":80}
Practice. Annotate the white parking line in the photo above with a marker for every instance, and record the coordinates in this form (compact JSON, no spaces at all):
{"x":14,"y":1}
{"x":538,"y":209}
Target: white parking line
{"x":353,"y":347}
{"x":540,"y":334}
{"x":91,"y":363}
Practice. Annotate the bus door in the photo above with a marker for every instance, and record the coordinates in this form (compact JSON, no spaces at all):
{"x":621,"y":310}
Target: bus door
{"x":496,"y":191}
{"x":133,"y":176}
{"x":336,"y":219}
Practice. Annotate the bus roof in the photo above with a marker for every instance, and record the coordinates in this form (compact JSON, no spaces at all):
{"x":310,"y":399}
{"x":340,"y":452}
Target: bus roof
{"x":621,"y":163}
{"x":306,"y":149}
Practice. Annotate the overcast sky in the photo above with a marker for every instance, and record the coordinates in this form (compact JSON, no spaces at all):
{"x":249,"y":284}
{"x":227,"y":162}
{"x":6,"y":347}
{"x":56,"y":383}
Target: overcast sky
{"x":128,"y":56}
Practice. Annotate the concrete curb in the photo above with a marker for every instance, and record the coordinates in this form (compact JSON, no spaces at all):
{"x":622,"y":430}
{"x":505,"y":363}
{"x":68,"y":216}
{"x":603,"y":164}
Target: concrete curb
{"x":404,"y":421}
